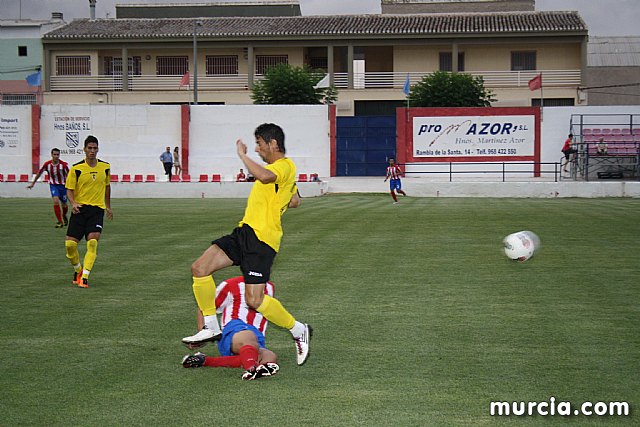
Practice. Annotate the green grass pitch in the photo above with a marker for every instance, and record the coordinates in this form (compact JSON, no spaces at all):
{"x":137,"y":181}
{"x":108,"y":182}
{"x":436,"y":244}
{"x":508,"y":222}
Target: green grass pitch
{"x":419,"y":317}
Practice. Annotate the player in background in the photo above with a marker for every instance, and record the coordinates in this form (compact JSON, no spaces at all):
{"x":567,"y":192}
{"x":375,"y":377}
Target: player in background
{"x":242,"y":343}
{"x":89,"y":192}
{"x":254,"y":244}
{"x":393,"y":173}
{"x":57,"y":171}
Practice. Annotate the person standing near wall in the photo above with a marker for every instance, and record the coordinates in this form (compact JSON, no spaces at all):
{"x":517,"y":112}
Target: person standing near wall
{"x":89,"y":192}
{"x":167,"y":162}
{"x":57,"y":171}
{"x":176,"y":161}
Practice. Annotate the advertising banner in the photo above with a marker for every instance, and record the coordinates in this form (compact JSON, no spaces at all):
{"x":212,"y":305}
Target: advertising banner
{"x":473,"y":136}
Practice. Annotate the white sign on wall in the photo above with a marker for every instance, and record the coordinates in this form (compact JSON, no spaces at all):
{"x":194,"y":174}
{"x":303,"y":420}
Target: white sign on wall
{"x":71,"y":129}
{"x":473,"y":136}
{"x":9,"y":134}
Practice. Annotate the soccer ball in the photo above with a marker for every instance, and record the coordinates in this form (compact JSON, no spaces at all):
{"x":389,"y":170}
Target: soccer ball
{"x":521,"y":246}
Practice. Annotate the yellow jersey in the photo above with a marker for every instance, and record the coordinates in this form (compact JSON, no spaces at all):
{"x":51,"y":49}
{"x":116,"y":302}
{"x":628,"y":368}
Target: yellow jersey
{"x":268,"y":202}
{"x":89,"y":183}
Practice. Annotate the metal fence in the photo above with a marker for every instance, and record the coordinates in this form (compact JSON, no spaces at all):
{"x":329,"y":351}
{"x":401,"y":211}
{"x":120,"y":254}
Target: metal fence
{"x":490,"y":171}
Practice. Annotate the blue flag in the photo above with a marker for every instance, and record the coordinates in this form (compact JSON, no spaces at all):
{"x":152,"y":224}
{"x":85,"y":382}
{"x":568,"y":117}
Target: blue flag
{"x":34,"y":79}
{"x":407,"y":86}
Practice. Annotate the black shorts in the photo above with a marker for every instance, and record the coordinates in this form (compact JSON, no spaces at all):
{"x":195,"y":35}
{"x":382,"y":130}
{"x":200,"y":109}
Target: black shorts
{"x":88,"y":220}
{"x":569,"y":152}
{"x":254,"y":257}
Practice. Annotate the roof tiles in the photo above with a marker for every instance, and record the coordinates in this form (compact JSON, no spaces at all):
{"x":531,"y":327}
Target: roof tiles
{"x":324,"y":26}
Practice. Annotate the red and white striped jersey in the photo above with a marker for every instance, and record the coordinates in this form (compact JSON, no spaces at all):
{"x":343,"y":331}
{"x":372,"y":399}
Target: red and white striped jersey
{"x":231,"y":302}
{"x":57,"y":172}
{"x":394,"y":172}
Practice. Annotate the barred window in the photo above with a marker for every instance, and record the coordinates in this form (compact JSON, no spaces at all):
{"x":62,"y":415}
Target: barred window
{"x":172,"y":65}
{"x":222,"y":64}
{"x":521,"y":61}
{"x":446,"y":61}
{"x":318,"y":63}
{"x":113,"y":66}
{"x":18,"y":99}
{"x":263,"y":62}
{"x":73,"y":65}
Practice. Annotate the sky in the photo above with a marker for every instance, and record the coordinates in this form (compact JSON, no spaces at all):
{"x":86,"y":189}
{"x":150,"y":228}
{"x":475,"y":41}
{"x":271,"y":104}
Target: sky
{"x":603,"y":17}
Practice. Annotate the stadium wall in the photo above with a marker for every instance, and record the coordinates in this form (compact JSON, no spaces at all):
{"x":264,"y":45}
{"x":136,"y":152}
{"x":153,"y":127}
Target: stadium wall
{"x":132,"y":137}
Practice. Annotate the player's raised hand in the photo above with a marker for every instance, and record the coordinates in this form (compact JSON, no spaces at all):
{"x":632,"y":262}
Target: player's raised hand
{"x":241,"y":147}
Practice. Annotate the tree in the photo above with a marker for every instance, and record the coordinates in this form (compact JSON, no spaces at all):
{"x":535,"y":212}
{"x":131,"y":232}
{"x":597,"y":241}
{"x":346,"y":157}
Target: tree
{"x":442,"y":89}
{"x":286,"y":84}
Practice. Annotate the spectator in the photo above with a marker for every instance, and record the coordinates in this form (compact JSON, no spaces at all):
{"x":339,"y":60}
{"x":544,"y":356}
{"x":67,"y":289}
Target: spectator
{"x":176,"y":162}
{"x":167,"y":161}
{"x":241,"y":177}
{"x":601,"y":147}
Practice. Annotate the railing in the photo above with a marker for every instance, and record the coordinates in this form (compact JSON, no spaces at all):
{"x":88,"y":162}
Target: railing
{"x":491,"y":170}
{"x":369,"y":80}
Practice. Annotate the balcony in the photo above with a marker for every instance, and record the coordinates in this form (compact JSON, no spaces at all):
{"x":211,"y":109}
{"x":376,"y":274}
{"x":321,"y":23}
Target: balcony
{"x":369,"y":80}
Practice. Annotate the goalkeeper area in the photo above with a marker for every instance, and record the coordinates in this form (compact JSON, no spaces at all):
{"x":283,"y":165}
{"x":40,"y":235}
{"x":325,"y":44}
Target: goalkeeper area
{"x":419,"y":318}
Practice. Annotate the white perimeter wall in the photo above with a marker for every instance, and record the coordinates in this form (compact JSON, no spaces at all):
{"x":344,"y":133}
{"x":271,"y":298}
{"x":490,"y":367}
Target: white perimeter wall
{"x":132,"y":137}
{"x":215,"y":128}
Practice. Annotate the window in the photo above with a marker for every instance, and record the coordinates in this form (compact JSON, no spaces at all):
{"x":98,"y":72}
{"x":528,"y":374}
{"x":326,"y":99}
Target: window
{"x":554,"y":102}
{"x":268,"y":61}
{"x":18,"y":99}
{"x":22,"y":51}
{"x":521,"y":61}
{"x":222,"y":64}
{"x":318,"y":63}
{"x":446,"y":61}
{"x":172,"y":65}
{"x":113,"y":66}
{"x":73,"y":65}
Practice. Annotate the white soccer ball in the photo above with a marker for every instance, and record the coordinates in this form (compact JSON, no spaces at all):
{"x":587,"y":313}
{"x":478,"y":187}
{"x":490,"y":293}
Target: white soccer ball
{"x":521,"y":246}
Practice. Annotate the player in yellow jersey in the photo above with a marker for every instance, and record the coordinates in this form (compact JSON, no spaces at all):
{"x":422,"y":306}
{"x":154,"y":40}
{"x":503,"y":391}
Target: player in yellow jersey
{"x":254,"y":244}
{"x":89,"y":193}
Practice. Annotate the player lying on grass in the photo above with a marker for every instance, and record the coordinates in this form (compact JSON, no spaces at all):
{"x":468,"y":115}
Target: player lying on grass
{"x":242,"y":343}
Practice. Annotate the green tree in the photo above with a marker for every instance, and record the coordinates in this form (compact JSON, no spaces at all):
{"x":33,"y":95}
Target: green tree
{"x":442,"y":89}
{"x":286,"y":84}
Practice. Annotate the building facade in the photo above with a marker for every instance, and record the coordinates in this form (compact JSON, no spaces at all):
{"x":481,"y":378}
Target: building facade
{"x":368,"y":57}
{"x":21,"y":54}
{"x":613,"y":72}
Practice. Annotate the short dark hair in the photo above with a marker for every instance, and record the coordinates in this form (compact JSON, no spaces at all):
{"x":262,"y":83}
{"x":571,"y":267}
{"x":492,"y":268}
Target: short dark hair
{"x":55,"y":149}
{"x":269,"y":131}
{"x":570,"y":135}
{"x":90,"y":139}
